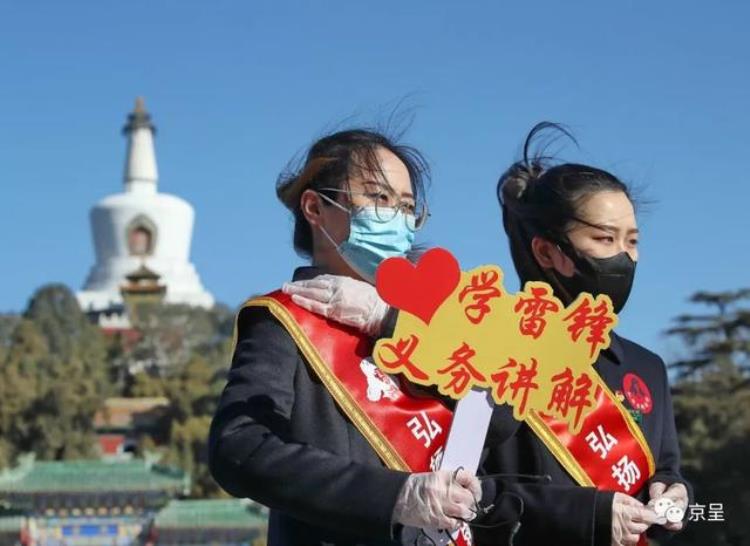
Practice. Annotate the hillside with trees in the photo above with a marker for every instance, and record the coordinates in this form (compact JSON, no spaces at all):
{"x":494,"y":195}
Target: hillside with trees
{"x":57,"y":369}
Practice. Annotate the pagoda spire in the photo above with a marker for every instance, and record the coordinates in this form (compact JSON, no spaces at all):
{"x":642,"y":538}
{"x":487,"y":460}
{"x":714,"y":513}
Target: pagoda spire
{"x":141,"y":174}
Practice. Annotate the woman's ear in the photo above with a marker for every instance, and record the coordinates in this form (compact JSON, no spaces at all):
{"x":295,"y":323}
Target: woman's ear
{"x":309,"y":204}
{"x":549,"y":256}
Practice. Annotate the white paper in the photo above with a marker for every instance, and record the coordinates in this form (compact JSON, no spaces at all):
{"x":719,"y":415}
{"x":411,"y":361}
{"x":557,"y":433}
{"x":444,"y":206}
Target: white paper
{"x":471,"y":419}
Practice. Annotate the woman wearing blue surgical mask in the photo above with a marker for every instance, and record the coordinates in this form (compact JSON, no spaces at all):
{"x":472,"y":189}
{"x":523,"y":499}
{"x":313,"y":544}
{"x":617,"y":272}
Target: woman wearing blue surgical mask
{"x":366,"y":219}
{"x":306,"y":424}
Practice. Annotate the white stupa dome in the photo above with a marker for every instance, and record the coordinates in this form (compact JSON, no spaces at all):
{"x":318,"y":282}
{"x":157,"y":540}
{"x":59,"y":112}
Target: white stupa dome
{"x":141,"y":226}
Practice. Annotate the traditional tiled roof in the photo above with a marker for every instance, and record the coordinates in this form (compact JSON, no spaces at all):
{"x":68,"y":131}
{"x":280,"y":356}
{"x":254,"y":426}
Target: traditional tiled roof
{"x":12,"y":524}
{"x":127,"y":413}
{"x":211,"y":514}
{"x":143,"y":273}
{"x":91,"y":476}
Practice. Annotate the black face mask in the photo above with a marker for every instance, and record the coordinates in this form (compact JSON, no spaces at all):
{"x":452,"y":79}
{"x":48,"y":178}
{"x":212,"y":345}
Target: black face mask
{"x":610,"y":276}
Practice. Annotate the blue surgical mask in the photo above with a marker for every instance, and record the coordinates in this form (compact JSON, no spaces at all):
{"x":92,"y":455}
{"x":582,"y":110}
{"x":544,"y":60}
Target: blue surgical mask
{"x":372,"y":240}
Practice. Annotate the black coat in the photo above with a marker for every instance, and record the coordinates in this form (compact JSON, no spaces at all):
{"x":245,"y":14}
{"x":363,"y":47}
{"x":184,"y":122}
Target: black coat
{"x":279,"y":438}
{"x":562,"y":511}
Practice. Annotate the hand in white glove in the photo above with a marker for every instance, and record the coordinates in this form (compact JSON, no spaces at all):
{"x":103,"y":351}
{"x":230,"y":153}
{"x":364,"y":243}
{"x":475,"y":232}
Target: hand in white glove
{"x":630,"y":518}
{"x":343,"y":299}
{"x":435,"y":500}
{"x":677,"y":493}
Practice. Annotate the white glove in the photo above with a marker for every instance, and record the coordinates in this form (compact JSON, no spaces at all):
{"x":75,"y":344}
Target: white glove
{"x":435,"y":500}
{"x":676,"y":497}
{"x":343,"y":299}
{"x":630,"y":518}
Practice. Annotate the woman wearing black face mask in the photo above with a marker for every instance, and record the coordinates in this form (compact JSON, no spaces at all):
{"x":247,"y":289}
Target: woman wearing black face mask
{"x":570,"y":225}
{"x":574,"y":227}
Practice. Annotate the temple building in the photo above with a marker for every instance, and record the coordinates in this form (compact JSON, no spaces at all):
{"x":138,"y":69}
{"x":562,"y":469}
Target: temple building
{"x":88,"y":502}
{"x":117,"y":503}
{"x":228,"y":522}
{"x":142,"y":238}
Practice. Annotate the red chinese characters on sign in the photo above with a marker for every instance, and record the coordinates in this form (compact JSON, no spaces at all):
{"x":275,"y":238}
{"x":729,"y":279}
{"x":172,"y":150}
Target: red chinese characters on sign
{"x":402,"y":350}
{"x":480,"y":290}
{"x":463,"y":374}
{"x":523,"y":383}
{"x":595,"y":320}
{"x":533,"y":310}
{"x":570,"y":394}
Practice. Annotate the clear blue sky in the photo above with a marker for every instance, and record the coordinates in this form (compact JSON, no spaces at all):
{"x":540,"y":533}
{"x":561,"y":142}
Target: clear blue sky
{"x":657,"y":92}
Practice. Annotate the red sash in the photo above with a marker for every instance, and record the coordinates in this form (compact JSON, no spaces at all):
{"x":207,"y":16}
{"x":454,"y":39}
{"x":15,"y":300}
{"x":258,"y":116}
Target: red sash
{"x":407,"y":432}
{"x":609,"y":452}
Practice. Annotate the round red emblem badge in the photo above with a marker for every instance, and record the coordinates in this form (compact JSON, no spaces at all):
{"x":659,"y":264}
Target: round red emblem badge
{"x":637,"y":393}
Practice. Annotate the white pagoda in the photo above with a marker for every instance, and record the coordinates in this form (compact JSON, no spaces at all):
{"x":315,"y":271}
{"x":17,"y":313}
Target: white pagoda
{"x":140,"y":228}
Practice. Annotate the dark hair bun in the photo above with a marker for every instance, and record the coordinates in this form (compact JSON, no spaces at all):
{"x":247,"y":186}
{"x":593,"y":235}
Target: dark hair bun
{"x":515,"y":182}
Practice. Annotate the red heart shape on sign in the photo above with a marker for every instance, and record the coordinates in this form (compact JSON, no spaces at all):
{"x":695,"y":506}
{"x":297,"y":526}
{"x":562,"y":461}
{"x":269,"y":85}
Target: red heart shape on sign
{"x":419,"y":289}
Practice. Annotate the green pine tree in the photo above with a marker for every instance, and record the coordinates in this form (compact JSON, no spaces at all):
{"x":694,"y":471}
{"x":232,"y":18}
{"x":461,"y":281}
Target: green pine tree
{"x":712,"y":410}
{"x":52,"y":380}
